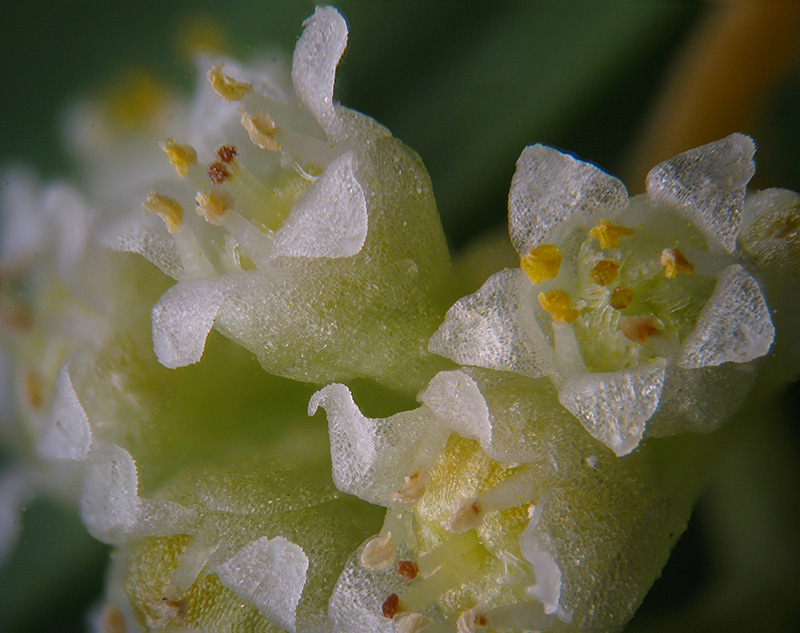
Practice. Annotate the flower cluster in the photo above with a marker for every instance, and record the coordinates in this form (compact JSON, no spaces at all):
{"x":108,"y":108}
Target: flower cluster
{"x":234,"y":264}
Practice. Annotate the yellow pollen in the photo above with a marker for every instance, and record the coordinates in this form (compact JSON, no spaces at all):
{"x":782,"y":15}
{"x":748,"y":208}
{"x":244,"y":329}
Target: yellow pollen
{"x":639,"y":328}
{"x":213,"y":205}
{"x":225,"y":86}
{"x":604,"y":272}
{"x":180,"y":155}
{"x":674,"y":262}
{"x":168,"y":209}
{"x":621,"y":297}
{"x":541,"y":263}
{"x":260,"y":128}
{"x":608,"y":234}
{"x":558,"y":304}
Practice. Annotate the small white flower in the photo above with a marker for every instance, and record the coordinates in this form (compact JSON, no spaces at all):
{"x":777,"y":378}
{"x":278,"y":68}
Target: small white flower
{"x":641,"y":310}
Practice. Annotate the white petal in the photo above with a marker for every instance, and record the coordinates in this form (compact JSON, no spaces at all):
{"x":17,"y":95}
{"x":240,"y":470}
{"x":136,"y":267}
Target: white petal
{"x":550,"y":189}
{"x":110,"y":503}
{"x":734,"y":325}
{"x":708,"y":185}
{"x":22,"y":222}
{"x":316,"y":56}
{"x":183,"y":317}
{"x":495,"y":328}
{"x":455,"y":397}
{"x":371,"y":456}
{"x":548,"y":575}
{"x":17,"y":487}
{"x":614,"y":407}
{"x":269,"y":574}
{"x":67,"y":434}
{"x":71,"y":219}
{"x":330,"y":220}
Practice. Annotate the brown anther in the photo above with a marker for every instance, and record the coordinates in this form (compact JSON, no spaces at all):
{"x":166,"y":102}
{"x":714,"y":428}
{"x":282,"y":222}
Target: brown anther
{"x":112,"y":620}
{"x":218,"y":172}
{"x":621,"y":297}
{"x":640,"y":328}
{"x":168,"y":609}
{"x":674,"y":262}
{"x":466,"y":514}
{"x":408,"y":569}
{"x":226,"y":153}
{"x":412,"y":489}
{"x":541,"y":263}
{"x":391,"y":606}
{"x":481,"y":620}
{"x":32,"y":389}
{"x":604,"y":272}
{"x":608,"y":234}
{"x":558,"y":305}
{"x":14,"y":316}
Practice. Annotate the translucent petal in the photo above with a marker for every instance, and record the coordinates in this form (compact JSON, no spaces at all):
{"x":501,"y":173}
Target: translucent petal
{"x":183,"y":318}
{"x":371,"y":456}
{"x":771,"y":230}
{"x":708,"y":185}
{"x":269,"y":574}
{"x":550,"y":189}
{"x":22,"y":223}
{"x":316,"y":56}
{"x":614,"y":407}
{"x":110,"y":503}
{"x":67,"y":434}
{"x":495,"y":328}
{"x":548,"y":576}
{"x":330,"y":220}
{"x":734,"y":325}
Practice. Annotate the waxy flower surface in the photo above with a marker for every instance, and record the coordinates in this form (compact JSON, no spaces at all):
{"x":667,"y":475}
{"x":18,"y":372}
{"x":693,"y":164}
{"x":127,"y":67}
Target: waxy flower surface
{"x":230,"y":265}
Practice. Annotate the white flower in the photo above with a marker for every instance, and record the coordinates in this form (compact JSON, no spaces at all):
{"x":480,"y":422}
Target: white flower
{"x":641,"y":310}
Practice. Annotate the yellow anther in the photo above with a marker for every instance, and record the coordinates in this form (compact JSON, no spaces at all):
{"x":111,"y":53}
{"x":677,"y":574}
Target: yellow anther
{"x":542,"y":263}
{"x":180,"y":155}
{"x":213,"y":205}
{"x":674,"y":262}
{"x":639,"y":328}
{"x":559,"y":305}
{"x":604,"y":272}
{"x":260,"y":128}
{"x":621,"y":297}
{"x":225,"y":86}
{"x":137,"y":99}
{"x":200,"y":34}
{"x":608,"y":234}
{"x":168,"y":209}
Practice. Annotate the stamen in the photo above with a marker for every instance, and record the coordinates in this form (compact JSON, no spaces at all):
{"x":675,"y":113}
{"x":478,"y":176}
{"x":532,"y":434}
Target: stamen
{"x":542,"y":263}
{"x":412,"y":623}
{"x":112,"y":620}
{"x":168,"y":209}
{"x":558,"y":304}
{"x":640,"y":328}
{"x":604,"y":272}
{"x":391,"y":606}
{"x":621,"y":298}
{"x":408,"y":569}
{"x":412,"y":489}
{"x":378,"y":552}
{"x":33,"y":389}
{"x":608,"y":234}
{"x":181,"y":156}
{"x":469,"y":619}
{"x":168,"y":608}
{"x":466,"y":515}
{"x":218,"y":172}
{"x":226,"y":153}
{"x":226,"y":86}
{"x":214,"y":205}
{"x":260,"y":127}
{"x":674,"y":262}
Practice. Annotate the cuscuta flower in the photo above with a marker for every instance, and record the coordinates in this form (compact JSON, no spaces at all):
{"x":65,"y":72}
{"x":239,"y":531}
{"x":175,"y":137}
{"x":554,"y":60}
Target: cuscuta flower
{"x":627,"y":304}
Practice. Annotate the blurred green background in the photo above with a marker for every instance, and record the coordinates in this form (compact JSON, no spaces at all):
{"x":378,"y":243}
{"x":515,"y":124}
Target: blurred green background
{"x":467,"y":85}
